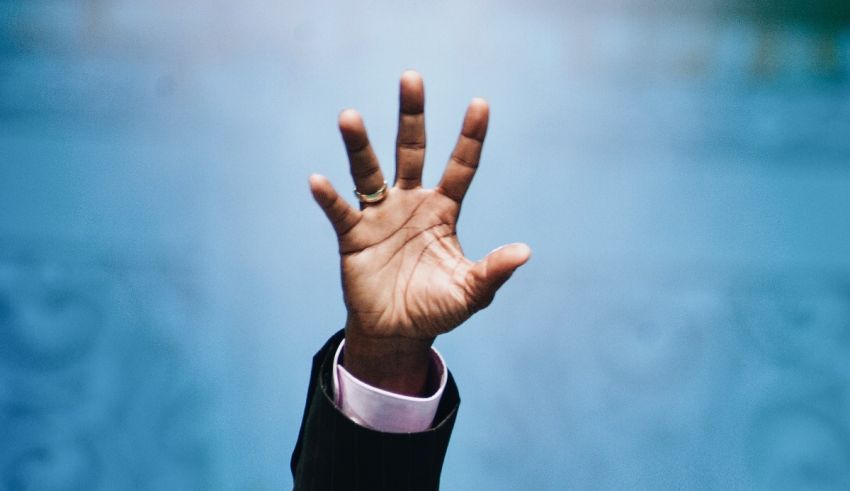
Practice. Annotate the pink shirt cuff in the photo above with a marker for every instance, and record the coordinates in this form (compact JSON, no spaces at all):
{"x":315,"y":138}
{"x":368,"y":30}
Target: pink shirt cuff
{"x":386,"y":411}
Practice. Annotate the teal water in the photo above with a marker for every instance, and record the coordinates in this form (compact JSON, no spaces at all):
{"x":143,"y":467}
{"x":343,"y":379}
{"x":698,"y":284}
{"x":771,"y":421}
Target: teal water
{"x":682,"y":175}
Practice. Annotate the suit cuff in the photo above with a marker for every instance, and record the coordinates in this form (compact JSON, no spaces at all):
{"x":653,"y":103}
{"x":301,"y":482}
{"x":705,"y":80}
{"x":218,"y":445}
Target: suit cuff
{"x":382,"y":410}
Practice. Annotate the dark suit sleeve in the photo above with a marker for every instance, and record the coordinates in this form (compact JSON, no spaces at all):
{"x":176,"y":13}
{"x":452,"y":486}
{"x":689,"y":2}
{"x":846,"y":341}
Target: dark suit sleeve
{"x":334,"y":452}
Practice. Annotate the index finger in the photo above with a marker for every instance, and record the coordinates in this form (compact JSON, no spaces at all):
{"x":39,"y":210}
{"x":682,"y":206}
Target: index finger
{"x":467,"y":152}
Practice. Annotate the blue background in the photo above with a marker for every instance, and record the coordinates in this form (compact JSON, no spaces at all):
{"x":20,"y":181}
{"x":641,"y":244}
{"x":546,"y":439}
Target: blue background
{"x":681,"y":171}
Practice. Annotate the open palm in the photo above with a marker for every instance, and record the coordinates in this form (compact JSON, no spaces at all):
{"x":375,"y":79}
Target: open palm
{"x":405,"y":278}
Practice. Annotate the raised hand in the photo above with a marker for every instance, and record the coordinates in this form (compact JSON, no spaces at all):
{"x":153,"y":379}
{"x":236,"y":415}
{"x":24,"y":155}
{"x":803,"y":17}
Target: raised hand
{"x":404,"y":276}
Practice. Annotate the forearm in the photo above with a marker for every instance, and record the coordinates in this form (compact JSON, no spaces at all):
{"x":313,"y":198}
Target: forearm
{"x":394,"y":364}
{"x":334,"y":452}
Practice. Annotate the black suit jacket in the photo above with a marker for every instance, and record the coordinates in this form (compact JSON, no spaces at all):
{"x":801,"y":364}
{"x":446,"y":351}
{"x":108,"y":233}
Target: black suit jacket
{"x":334,"y":452}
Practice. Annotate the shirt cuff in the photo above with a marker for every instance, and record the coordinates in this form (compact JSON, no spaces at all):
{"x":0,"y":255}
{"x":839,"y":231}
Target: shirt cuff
{"x":382,"y":410}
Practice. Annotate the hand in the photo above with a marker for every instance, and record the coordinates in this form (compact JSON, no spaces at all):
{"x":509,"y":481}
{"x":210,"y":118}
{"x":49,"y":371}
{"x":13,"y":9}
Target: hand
{"x":405,"y":279}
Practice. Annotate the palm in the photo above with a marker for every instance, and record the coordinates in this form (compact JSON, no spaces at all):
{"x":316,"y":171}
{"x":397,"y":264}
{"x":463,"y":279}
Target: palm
{"x":403,"y":271}
{"x":413,"y":247}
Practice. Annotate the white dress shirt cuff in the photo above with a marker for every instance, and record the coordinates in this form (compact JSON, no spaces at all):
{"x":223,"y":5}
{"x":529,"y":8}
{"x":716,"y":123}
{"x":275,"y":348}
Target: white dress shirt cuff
{"x":386,"y":411}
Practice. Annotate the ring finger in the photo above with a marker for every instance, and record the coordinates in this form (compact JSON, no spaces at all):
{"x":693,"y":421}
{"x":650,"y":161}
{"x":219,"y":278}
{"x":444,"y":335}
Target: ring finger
{"x":365,"y":170}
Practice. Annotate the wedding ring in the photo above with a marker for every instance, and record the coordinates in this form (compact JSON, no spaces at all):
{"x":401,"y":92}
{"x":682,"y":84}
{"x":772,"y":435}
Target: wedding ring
{"x":372,"y":197}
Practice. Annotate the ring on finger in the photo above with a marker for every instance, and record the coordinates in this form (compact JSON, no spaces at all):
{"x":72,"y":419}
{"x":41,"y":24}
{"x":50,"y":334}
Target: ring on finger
{"x":375,"y":197}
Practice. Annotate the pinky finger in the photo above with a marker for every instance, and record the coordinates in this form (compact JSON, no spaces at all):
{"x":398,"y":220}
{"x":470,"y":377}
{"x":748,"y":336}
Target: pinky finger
{"x":341,"y":215}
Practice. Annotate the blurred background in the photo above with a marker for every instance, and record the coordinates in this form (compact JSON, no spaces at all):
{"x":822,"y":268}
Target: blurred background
{"x":680,"y":169}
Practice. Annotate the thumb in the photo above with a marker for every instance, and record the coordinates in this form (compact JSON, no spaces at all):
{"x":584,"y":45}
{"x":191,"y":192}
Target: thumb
{"x":489,"y":274}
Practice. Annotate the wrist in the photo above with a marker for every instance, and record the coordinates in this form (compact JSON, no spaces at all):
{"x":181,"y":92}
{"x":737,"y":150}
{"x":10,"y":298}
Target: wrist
{"x":392,"y":363}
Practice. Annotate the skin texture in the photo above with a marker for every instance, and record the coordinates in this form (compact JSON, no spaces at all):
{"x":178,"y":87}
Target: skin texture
{"x":405,"y":279}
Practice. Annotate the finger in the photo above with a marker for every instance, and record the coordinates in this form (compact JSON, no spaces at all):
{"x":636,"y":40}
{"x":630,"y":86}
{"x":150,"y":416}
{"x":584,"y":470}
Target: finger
{"x":410,"y":142}
{"x":364,"y":164}
{"x":341,"y":215}
{"x":464,"y":160}
{"x":489,"y":274}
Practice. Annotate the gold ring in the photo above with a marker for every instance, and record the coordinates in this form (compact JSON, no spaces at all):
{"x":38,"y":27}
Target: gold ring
{"x":375,"y":197}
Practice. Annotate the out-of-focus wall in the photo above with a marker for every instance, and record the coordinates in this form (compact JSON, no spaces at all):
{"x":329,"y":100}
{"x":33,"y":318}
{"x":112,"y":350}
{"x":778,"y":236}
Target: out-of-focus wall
{"x":681,"y":171}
